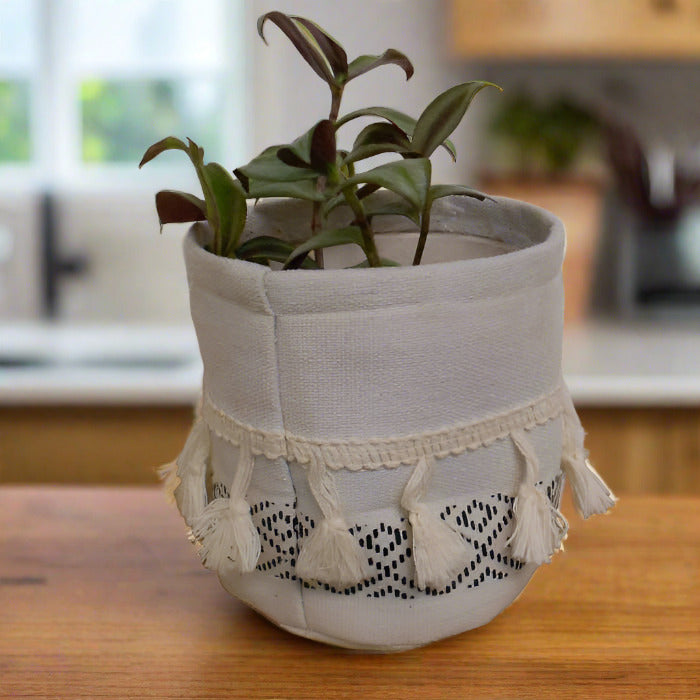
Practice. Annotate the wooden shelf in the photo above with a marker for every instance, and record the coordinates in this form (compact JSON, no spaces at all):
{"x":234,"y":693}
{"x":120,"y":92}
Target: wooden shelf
{"x":504,"y":29}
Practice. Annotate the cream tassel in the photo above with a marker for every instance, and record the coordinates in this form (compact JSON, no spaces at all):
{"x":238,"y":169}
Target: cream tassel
{"x":439,"y":552}
{"x":330,"y":553}
{"x":591,"y":494}
{"x":539,"y":526}
{"x":167,"y":473}
{"x":191,"y":494}
{"x":225,"y":530}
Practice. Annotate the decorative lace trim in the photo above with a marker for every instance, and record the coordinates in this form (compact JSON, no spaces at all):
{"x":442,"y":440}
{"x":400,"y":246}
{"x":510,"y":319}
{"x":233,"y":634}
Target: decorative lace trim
{"x":381,"y":453}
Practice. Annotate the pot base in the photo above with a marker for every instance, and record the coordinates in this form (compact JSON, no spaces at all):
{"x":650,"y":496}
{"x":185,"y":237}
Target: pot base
{"x":367,"y":624}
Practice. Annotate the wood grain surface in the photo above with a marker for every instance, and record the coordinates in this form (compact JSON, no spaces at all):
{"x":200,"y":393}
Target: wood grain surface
{"x":101,"y":596}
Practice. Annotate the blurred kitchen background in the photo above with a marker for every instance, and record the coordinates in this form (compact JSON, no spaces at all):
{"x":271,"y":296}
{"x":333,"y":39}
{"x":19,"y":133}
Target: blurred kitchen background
{"x":599,"y":121}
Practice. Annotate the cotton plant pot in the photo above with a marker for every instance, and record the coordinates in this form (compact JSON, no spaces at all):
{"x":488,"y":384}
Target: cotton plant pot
{"x":378,"y":456}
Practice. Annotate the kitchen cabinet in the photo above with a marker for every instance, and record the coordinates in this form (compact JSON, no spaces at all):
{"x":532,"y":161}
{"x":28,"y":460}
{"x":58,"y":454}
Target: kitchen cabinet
{"x":638,"y":450}
{"x":645,"y":450}
{"x":89,"y":444}
{"x":504,"y":29}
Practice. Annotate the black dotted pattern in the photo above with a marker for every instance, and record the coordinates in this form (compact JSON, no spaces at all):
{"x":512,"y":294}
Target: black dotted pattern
{"x":485,"y":524}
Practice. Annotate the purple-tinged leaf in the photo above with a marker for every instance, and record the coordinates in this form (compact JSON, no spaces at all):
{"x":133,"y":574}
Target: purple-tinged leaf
{"x":403,"y":121}
{"x":303,"y":41}
{"x":332,"y":50}
{"x":322,"y":151}
{"x":363,"y":64}
{"x":441,"y":117}
{"x":175,"y":207}
{"x":382,"y":132}
{"x":169,"y":143}
{"x":268,"y":167}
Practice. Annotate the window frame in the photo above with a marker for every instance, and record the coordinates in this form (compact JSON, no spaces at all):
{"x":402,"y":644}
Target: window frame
{"x":56,"y":123}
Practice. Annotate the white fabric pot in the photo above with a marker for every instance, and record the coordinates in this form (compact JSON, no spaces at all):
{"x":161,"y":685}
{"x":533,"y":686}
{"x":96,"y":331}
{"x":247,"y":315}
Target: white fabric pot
{"x":383,"y":447}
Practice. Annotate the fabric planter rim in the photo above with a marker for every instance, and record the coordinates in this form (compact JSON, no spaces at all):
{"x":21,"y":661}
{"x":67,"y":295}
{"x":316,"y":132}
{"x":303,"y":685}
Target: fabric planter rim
{"x":532,"y":262}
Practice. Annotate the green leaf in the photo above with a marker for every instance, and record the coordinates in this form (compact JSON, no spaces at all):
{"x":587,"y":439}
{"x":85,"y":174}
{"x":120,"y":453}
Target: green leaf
{"x":385,"y":262}
{"x":403,"y":121}
{"x":397,"y":207}
{"x":175,"y":207}
{"x":303,"y":41}
{"x":268,"y":166}
{"x":262,"y":249}
{"x":332,"y":50}
{"x":438,"y":191}
{"x":230,"y":203}
{"x":376,"y":138}
{"x":408,"y":178}
{"x":373,"y":149}
{"x":441,"y":117}
{"x":303,"y":189}
{"x":363,"y":64}
{"x":169,"y":143}
{"x":327,"y":239}
{"x":382,"y":132}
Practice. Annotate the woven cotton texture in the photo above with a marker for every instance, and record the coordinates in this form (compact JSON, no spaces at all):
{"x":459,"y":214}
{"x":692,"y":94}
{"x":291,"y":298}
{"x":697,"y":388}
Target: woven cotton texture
{"x":370,"y":398}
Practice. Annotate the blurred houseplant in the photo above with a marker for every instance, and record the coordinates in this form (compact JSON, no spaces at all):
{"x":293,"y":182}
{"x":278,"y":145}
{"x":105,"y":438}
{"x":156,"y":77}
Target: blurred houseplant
{"x":310,"y":477}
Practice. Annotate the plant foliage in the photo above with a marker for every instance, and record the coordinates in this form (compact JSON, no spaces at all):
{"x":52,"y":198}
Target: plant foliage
{"x":315,"y":169}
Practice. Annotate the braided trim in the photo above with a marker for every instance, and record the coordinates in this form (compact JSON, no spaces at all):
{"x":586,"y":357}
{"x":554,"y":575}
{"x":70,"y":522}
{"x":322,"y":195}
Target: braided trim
{"x":382,"y":453}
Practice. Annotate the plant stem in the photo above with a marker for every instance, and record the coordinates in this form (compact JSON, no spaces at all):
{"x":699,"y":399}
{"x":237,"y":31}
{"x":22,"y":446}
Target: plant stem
{"x":367,"y":235}
{"x":336,"y":97}
{"x":423,"y":237}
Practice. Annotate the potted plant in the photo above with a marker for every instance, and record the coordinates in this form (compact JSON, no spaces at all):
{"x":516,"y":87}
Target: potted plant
{"x":377,"y":458}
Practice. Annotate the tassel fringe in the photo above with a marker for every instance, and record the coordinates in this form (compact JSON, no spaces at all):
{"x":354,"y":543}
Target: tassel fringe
{"x":227,"y":536}
{"x":167,"y":473}
{"x":331,"y":555}
{"x":591,"y":494}
{"x":191,"y":494}
{"x":539,"y":527}
{"x":225,"y":530}
{"x":439,"y":552}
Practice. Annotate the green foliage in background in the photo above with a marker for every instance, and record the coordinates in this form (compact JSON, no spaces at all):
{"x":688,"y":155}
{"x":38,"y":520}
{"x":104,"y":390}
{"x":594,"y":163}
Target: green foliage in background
{"x":15,"y":136}
{"x":547,"y":135}
{"x":315,"y":169}
{"x":119,"y":117}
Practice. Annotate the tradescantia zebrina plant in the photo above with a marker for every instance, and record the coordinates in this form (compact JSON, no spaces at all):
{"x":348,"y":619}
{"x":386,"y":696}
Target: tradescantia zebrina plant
{"x":314,"y":168}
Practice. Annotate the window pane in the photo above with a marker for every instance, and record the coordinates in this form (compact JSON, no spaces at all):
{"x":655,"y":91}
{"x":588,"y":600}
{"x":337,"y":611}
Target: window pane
{"x":18,"y":35}
{"x":15,"y":141}
{"x":145,"y":35}
{"x":121,"y":118}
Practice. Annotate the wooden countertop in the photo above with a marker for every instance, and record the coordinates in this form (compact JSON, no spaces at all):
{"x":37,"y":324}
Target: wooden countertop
{"x":102,"y":596}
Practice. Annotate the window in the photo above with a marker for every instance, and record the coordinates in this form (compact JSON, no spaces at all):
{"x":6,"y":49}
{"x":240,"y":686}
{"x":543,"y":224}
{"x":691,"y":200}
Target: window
{"x":87,"y":85}
{"x":18,"y":64}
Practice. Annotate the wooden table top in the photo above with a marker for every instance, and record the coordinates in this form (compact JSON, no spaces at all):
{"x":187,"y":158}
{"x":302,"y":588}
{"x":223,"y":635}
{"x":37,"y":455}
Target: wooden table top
{"x":101,"y":595}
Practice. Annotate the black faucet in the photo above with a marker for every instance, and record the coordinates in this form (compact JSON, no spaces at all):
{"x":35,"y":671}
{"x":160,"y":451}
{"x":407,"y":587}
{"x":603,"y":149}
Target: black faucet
{"x":54,"y":264}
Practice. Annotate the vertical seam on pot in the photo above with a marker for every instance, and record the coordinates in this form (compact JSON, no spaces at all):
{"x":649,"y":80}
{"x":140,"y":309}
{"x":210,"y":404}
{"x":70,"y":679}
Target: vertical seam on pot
{"x":284,"y":429}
